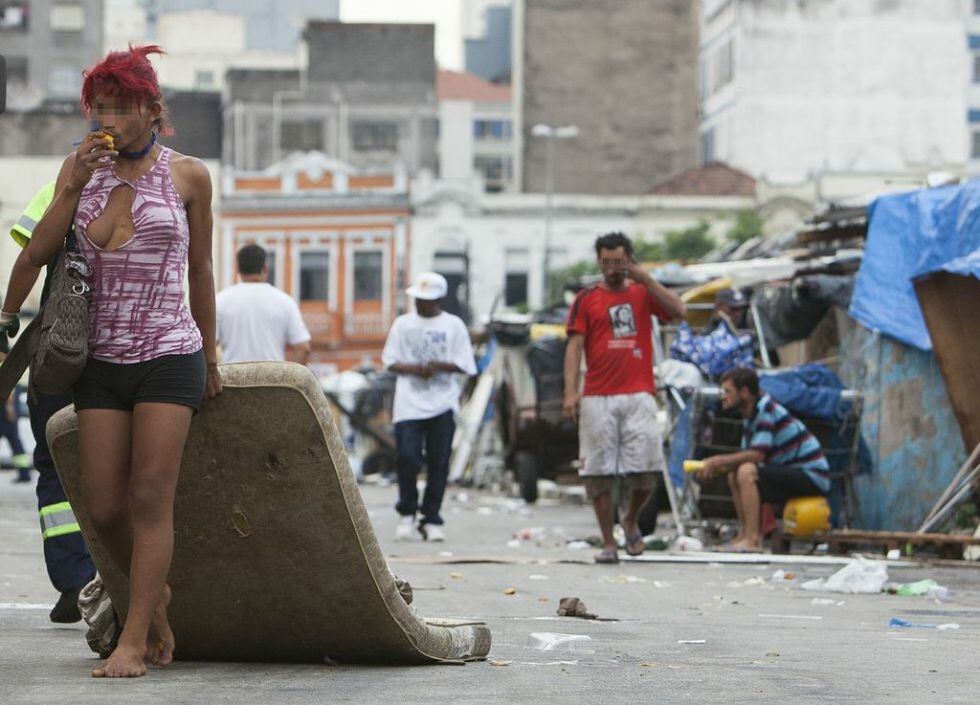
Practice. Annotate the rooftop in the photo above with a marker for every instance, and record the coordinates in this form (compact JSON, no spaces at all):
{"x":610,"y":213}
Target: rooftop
{"x":457,"y":85}
{"x":714,"y":179}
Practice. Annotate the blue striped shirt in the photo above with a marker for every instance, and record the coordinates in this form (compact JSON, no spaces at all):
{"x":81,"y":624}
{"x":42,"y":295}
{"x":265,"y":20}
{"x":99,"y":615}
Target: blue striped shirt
{"x":785,"y":441}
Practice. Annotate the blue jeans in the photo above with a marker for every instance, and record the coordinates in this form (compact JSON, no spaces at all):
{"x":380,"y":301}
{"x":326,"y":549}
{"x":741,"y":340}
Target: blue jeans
{"x":435,"y":436}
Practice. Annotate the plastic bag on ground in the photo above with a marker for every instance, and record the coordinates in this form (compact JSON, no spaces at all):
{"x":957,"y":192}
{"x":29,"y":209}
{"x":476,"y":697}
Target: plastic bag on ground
{"x":860,"y":576}
{"x":551,"y":641}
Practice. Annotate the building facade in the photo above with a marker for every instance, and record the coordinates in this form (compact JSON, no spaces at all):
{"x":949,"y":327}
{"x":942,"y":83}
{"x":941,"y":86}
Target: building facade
{"x":491,"y":246}
{"x":624,"y":72}
{"x":489,"y":55}
{"x":337,"y":240}
{"x":476,"y":130}
{"x":47,"y":44}
{"x":367,"y":98}
{"x":793,"y":89}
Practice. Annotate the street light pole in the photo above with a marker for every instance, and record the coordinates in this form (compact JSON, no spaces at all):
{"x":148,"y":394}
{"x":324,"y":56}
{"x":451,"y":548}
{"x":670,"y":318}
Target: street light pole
{"x":549,"y":187}
{"x":550,"y":134}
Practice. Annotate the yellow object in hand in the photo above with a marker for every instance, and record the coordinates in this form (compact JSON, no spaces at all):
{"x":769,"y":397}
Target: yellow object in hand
{"x":110,"y":140}
{"x":693,"y":465}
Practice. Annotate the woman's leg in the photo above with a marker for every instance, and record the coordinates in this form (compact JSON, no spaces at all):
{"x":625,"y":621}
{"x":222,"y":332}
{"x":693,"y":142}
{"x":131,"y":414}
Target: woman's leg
{"x":159,"y":433}
{"x":105,"y":449}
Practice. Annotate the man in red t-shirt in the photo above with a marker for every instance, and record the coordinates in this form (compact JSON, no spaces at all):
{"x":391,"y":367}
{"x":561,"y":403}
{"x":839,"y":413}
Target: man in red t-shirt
{"x":617,"y":413}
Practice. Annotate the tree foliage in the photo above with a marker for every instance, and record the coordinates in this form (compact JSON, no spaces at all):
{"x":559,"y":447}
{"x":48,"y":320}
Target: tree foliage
{"x":689,"y":244}
{"x":748,"y":224}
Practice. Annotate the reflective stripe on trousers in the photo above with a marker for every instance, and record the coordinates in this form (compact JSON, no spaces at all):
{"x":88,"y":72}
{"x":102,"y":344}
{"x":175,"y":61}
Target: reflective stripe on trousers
{"x":58,"y":520}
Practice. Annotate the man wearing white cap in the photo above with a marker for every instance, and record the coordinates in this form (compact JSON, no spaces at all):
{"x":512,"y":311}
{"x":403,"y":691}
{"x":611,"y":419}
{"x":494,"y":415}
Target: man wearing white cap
{"x":428,"y":349}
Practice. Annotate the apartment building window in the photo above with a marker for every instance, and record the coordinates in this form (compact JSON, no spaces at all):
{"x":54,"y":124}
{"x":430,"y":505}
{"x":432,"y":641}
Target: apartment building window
{"x":270,"y":263}
{"x":67,"y":17}
{"x":14,"y":16}
{"x":301,"y":136}
{"x":707,"y":146}
{"x":975,"y":147}
{"x":496,"y":171}
{"x":17,"y":69}
{"x":722,"y":66}
{"x":517,"y":262}
{"x":65,"y":81}
{"x":204,"y":79}
{"x":492,"y":129}
{"x":976,"y":7}
{"x":375,"y":136}
{"x":367,"y":275}
{"x":314,"y":276}
{"x":976,"y":67}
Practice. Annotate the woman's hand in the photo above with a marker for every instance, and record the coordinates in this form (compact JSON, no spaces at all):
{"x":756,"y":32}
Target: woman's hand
{"x":93,"y":153}
{"x":213,"y":386}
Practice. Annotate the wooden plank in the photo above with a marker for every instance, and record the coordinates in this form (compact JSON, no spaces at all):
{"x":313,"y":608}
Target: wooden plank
{"x":843,"y":232}
{"x":949,"y":306}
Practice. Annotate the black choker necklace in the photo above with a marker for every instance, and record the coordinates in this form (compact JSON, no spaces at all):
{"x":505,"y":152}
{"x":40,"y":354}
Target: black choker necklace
{"x":143,"y":152}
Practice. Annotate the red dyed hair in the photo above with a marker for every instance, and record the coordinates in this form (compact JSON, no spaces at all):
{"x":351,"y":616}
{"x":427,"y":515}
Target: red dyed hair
{"x":128,"y":75}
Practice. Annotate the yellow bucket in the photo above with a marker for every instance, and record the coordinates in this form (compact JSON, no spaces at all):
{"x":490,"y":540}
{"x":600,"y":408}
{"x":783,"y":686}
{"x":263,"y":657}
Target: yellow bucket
{"x":805,"y":516}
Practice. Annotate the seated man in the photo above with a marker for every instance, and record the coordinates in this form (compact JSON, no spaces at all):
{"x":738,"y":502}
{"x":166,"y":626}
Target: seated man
{"x":780,"y":459}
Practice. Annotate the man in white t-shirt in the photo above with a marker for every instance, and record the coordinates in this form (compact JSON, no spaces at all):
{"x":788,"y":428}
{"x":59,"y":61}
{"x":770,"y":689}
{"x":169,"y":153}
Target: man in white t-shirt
{"x":256,"y":321}
{"x":428,"y":350}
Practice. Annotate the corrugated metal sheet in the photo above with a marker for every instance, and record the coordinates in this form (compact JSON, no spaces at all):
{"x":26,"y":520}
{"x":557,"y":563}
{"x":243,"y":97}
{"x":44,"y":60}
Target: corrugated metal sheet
{"x":909,"y":425}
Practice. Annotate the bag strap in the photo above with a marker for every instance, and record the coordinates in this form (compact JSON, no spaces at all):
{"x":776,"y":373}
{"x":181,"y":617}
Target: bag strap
{"x":71,"y":243}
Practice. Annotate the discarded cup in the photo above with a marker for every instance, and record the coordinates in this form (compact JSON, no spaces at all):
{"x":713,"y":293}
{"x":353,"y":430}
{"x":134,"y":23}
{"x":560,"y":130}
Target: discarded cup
{"x":688,"y":543}
{"x":552,"y":641}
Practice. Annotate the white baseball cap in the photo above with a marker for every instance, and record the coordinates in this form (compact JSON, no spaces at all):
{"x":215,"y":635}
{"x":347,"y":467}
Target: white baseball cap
{"x":428,"y":286}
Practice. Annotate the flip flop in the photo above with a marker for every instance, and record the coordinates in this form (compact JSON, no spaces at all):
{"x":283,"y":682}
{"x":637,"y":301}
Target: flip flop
{"x":607,"y":556}
{"x":633,"y":540}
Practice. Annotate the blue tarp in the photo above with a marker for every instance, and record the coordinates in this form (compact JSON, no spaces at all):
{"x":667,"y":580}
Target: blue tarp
{"x":909,"y":235}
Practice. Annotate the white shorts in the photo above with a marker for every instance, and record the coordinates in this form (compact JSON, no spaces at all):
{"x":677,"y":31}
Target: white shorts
{"x":619,"y":435}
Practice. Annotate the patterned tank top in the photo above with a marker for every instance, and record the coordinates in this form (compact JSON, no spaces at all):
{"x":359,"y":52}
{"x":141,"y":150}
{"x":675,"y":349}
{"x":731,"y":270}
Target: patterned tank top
{"x":137,"y":311}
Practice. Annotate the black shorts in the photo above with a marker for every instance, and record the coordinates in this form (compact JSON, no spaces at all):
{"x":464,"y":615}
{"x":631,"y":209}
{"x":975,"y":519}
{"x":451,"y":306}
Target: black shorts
{"x":779,"y":483}
{"x":171,"y":379}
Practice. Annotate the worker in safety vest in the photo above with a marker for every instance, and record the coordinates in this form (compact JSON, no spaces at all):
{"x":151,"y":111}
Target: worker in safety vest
{"x":69,"y":565}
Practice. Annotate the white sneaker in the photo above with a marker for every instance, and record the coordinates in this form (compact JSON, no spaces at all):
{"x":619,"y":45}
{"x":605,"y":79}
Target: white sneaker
{"x":434,"y":532}
{"x":406,"y":529}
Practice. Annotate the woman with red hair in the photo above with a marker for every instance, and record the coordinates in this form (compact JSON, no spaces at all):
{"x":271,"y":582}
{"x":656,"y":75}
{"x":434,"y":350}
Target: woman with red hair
{"x":142,"y":219}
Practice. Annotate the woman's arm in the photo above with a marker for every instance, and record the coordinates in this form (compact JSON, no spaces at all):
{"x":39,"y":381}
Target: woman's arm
{"x":76,"y":171}
{"x":200,"y":272}
{"x":22,"y":279}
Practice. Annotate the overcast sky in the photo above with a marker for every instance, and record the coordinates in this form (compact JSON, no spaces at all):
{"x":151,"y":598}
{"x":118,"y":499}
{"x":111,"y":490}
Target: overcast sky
{"x":445,"y":14}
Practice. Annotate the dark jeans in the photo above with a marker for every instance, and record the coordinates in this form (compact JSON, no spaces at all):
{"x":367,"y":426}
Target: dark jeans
{"x":69,"y":565}
{"x":435,"y":436}
{"x":8,"y":430}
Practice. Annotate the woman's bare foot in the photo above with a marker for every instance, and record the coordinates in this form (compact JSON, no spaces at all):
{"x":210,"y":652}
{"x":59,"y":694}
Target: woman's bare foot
{"x":124,"y":662}
{"x":160,"y":640}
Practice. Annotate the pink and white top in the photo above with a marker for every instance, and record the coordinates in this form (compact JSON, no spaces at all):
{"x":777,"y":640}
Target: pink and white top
{"x":137,"y":310}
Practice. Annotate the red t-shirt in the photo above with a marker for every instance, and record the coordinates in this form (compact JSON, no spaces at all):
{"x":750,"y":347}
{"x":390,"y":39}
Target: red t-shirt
{"x":618,"y":338}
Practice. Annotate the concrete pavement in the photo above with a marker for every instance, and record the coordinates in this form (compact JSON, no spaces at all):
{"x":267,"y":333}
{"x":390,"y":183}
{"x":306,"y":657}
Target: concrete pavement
{"x":764,"y":640}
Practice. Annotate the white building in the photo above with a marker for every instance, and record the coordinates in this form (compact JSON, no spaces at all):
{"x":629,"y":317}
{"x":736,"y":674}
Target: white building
{"x":201,"y":43}
{"x":490,"y":246}
{"x":793,"y":89}
{"x":476,"y":130}
{"x":972,"y":13}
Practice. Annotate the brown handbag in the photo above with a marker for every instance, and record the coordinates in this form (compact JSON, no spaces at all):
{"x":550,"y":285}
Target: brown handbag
{"x":62,"y":345}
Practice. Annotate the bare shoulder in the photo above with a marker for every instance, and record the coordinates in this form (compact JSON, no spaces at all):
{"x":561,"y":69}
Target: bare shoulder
{"x":191,"y":177}
{"x":190,"y":167}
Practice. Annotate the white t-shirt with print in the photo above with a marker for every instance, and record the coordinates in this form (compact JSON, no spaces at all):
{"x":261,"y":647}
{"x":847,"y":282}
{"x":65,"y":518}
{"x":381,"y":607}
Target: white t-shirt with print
{"x":256,"y":321}
{"x":414,"y":340}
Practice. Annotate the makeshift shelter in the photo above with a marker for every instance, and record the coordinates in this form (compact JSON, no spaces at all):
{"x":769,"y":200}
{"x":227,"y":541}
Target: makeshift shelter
{"x":909,"y":420}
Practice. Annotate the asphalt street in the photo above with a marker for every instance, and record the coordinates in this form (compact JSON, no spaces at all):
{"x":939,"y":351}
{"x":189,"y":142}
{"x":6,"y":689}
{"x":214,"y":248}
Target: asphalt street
{"x":704,"y":632}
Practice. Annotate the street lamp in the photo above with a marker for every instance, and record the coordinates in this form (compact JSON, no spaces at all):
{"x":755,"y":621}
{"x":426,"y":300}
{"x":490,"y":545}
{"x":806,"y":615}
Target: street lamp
{"x":551,"y":134}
